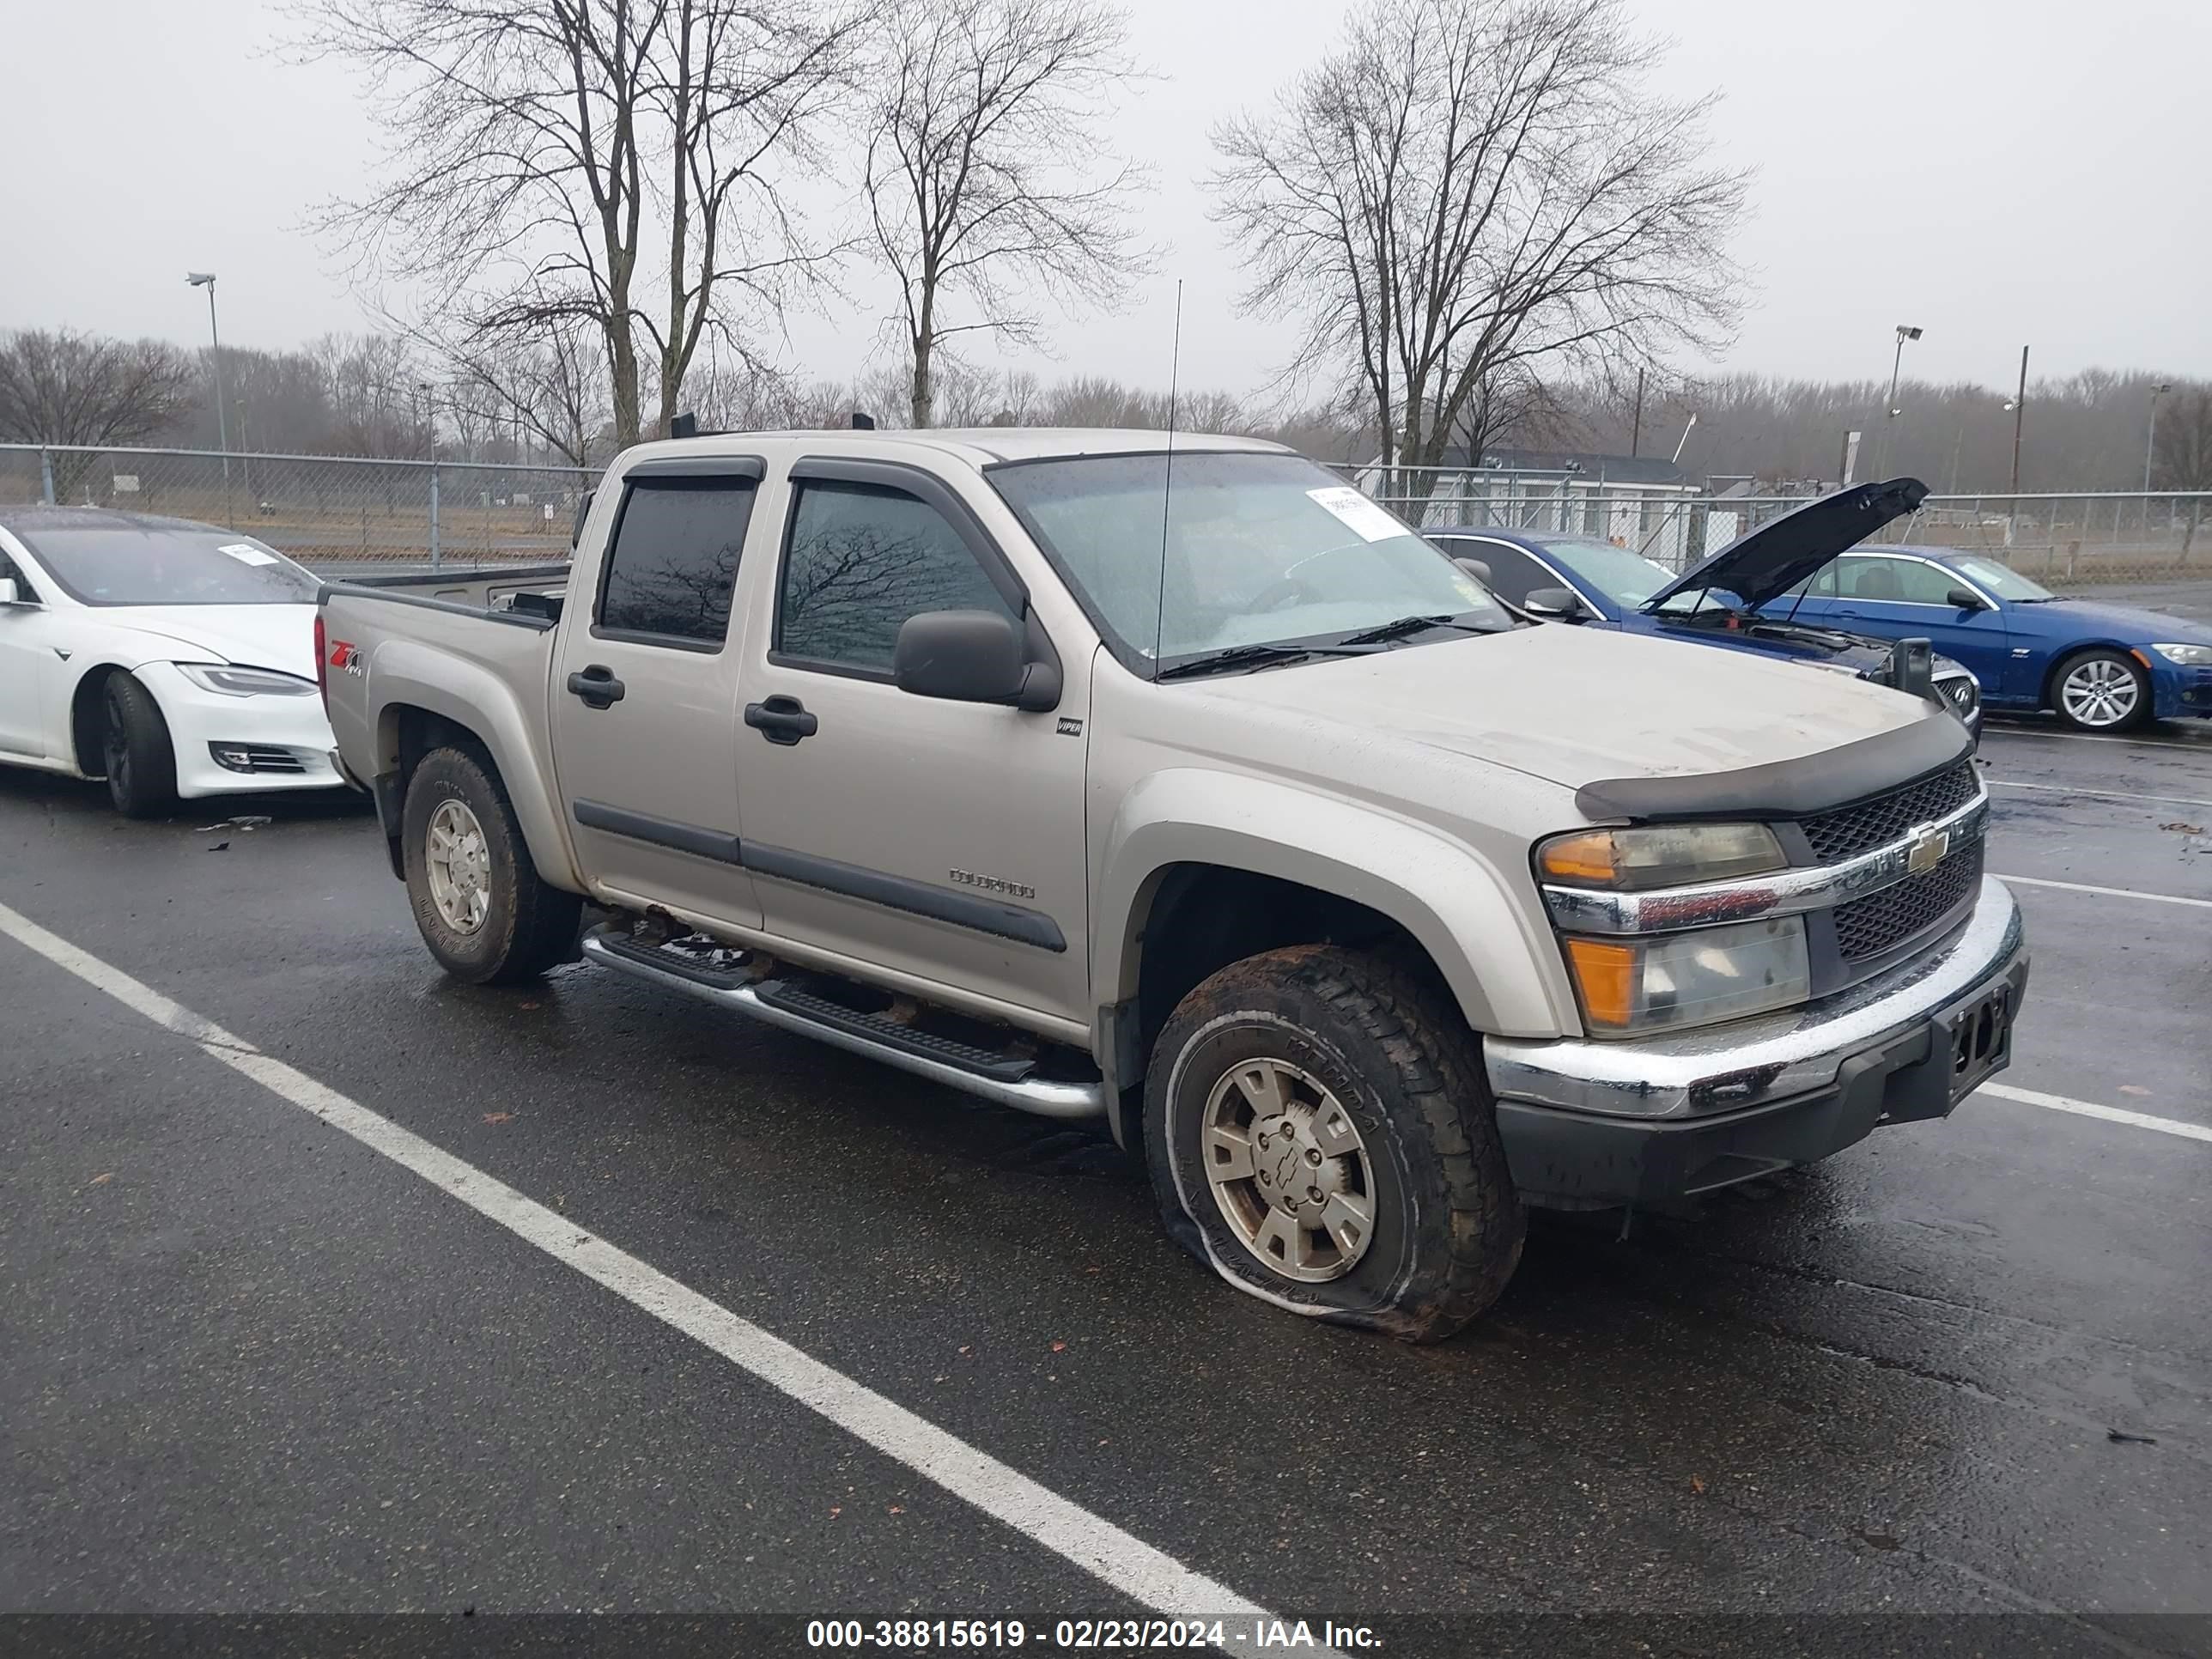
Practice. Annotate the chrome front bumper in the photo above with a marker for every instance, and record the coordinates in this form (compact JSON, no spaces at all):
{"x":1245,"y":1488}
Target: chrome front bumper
{"x":1770,"y":1057}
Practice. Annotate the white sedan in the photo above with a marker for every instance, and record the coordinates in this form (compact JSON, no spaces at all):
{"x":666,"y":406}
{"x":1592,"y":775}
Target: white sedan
{"x":170,"y":657}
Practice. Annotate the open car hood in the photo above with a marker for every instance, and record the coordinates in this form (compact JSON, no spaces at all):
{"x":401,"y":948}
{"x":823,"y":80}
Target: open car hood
{"x":1766,"y":562}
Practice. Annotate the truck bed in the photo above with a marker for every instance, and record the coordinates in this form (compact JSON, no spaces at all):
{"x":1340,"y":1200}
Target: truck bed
{"x":493,"y":587}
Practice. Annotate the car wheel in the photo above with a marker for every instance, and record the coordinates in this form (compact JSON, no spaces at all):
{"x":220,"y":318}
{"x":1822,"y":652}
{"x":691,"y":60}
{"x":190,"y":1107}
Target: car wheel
{"x":1320,"y":1131}
{"x":2102,"y":692}
{"x":486,"y":914}
{"x":136,"y":749}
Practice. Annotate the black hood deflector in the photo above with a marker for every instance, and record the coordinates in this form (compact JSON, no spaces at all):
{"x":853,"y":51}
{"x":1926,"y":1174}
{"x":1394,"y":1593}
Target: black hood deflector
{"x":1787,"y":788}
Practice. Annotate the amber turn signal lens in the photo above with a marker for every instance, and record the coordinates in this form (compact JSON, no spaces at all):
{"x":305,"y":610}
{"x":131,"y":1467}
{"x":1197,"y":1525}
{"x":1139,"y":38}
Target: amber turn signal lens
{"x":1587,"y":860}
{"x":1606,"y":975}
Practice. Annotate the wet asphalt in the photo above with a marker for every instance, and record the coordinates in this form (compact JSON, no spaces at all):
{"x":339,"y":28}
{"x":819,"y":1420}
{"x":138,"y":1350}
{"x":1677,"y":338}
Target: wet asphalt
{"x":248,"y":1365}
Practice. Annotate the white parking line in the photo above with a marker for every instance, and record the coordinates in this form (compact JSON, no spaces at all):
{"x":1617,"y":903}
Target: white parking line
{"x":2188,"y":745}
{"x":1118,"y":1559}
{"x":2101,"y":794}
{"x":2109,"y":892}
{"x":2165,"y":1126}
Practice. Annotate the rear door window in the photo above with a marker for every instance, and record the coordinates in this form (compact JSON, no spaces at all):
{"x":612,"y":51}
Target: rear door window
{"x":673,"y":564}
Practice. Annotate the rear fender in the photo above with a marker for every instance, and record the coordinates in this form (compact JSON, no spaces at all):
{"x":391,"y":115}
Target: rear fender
{"x":405,"y":674}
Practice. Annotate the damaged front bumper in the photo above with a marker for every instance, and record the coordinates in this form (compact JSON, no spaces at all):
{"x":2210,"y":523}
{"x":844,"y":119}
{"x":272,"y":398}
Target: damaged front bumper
{"x":1589,"y":1125}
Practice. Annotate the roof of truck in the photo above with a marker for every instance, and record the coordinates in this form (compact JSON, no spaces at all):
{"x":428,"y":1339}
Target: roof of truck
{"x":978,"y":445}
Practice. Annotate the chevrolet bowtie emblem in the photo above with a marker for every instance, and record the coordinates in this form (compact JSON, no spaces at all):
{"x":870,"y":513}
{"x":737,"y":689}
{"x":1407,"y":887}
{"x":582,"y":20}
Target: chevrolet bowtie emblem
{"x":1928,"y":851}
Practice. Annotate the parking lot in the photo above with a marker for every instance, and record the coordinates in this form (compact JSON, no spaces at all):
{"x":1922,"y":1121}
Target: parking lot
{"x":330,"y":1285}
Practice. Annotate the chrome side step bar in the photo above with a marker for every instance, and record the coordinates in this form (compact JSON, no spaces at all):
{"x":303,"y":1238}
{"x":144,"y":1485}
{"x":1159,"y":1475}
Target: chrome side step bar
{"x":973,"y":1071}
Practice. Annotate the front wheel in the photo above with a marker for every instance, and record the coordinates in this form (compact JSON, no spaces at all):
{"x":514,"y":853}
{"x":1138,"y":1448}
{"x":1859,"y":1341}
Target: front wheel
{"x":486,"y":914}
{"x":2102,"y":692}
{"x":136,"y":750}
{"x":1321,"y":1132}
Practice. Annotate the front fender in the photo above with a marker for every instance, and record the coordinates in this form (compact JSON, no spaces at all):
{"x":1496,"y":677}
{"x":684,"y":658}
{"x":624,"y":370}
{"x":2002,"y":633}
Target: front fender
{"x":402,"y":672}
{"x":1496,"y":954}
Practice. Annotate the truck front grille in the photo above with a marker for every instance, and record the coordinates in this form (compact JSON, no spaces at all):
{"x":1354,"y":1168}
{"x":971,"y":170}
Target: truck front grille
{"x":1851,"y":830}
{"x":1879,"y":923}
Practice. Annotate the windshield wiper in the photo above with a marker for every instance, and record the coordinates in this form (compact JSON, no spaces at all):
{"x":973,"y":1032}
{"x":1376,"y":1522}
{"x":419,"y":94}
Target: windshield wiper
{"x":1405,"y":627}
{"x":1250,"y":656}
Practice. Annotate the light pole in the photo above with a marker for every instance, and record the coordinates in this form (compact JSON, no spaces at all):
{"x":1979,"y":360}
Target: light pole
{"x":1890,"y":411}
{"x":2151,"y":441}
{"x":245,"y":452}
{"x":206,"y":279}
{"x":1677,"y":460}
{"x":2019,"y":407}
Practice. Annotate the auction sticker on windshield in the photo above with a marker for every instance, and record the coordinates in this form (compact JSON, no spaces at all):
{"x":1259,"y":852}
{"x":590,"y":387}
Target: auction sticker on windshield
{"x":1370,"y":522}
{"x":247,"y":553}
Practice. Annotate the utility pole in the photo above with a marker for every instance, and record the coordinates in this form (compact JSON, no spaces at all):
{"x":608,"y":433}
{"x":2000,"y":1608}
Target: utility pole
{"x":1636,"y":431}
{"x":1890,"y":411}
{"x":2151,"y":441}
{"x":2018,"y":414}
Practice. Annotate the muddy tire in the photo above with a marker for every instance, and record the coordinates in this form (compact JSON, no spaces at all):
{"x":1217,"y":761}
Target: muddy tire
{"x":483,"y":908}
{"x":139,"y":756}
{"x":1321,"y":1132}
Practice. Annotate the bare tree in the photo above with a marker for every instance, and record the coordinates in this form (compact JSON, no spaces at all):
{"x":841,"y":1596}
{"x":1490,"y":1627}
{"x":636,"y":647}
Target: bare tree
{"x":554,"y":159}
{"x":987,"y":174}
{"x":2184,"y":457}
{"x":551,"y":392}
{"x":1467,"y":193}
{"x":59,"y":386}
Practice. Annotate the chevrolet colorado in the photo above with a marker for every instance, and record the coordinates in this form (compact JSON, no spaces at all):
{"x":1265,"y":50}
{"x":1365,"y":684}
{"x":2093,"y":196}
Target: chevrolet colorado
{"x":1186,"y":788}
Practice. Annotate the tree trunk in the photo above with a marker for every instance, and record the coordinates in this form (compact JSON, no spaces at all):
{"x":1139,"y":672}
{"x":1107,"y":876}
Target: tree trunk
{"x":622,"y":364}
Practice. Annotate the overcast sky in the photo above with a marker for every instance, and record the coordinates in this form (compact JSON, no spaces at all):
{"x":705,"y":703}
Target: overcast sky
{"x":1998,"y":172}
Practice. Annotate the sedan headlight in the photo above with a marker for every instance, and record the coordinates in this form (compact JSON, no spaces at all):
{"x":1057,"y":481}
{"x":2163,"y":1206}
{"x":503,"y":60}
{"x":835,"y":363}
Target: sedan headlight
{"x":2189,"y":656}
{"x":1636,"y":985}
{"x":244,"y":682}
{"x":1659,"y":855}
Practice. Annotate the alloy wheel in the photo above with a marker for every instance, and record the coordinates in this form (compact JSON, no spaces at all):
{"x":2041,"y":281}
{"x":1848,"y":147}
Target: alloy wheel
{"x":1289,"y":1171}
{"x":2100,"y":692}
{"x":458,"y":863}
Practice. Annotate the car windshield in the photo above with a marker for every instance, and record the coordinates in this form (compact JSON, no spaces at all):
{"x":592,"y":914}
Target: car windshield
{"x":113,"y":562}
{"x":1258,"y":550}
{"x":2001,"y":580}
{"x":1626,"y":578}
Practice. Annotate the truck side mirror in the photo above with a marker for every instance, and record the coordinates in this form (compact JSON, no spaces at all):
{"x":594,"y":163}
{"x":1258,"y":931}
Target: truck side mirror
{"x":1965,"y":599}
{"x":1551,"y":604}
{"x":8,"y":591}
{"x":971,"y":656}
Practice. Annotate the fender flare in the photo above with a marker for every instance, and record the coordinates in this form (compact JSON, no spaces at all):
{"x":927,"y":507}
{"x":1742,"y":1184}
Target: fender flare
{"x":1495,"y":953}
{"x":403,"y":673}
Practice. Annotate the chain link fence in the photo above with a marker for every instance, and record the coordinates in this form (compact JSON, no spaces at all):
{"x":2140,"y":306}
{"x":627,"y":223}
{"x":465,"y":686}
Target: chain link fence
{"x":2096,"y":539}
{"x":329,"y":512}
{"x":333,"y":513}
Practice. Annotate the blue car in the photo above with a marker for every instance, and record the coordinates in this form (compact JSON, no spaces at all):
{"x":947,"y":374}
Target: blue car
{"x":1542,"y":576}
{"x":2101,"y":667}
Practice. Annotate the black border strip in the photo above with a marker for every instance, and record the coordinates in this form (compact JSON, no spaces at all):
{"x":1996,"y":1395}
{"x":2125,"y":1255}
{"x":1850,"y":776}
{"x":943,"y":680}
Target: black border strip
{"x":969,"y":910}
{"x":1790,"y":788}
{"x":717,"y":844}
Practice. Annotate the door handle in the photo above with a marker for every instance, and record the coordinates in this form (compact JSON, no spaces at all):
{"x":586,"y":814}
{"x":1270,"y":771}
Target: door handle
{"x":781,"y":719}
{"x":595,"y":683}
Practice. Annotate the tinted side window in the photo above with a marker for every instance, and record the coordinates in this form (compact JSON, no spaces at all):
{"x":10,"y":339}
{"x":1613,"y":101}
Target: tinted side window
{"x":675,"y":558}
{"x":1512,"y":573}
{"x":862,"y":560}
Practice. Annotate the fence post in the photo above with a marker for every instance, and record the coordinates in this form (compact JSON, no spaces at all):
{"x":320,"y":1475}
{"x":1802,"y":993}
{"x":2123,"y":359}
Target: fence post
{"x":435,"y":555}
{"x":46,"y":476}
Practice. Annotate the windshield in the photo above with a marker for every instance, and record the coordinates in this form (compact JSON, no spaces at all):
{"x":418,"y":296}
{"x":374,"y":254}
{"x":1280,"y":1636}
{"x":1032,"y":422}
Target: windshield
{"x":111,"y":562}
{"x":1260,"y":549}
{"x":2001,"y":580}
{"x":1626,"y":578}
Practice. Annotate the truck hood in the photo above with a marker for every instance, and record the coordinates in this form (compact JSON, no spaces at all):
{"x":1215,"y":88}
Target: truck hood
{"x":1574,"y":706}
{"x":1766,"y":563}
{"x":278,"y":636}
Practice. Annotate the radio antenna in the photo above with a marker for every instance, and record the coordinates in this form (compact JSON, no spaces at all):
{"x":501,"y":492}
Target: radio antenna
{"x":1167,"y":483}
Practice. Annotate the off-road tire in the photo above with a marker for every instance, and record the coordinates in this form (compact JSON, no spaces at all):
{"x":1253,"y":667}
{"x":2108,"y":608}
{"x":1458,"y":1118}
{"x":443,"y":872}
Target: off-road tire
{"x":137,"y":750}
{"x":1400,"y":1060}
{"x":529,"y":925}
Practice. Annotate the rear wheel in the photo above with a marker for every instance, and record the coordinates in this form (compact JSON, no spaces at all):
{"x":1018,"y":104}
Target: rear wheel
{"x":2101,"y":690}
{"x":1320,"y":1134}
{"x":136,"y":748}
{"x":486,"y":914}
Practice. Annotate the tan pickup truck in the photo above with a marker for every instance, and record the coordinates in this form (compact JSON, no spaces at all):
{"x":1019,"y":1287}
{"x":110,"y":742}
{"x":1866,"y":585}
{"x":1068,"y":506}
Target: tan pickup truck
{"x":1192,"y":791}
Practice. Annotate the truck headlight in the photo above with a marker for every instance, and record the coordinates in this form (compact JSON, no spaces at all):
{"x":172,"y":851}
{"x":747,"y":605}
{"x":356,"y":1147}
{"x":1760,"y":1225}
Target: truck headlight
{"x":2189,"y":656}
{"x":1697,"y":978}
{"x":244,"y":682}
{"x":1659,"y":855}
